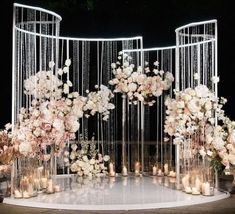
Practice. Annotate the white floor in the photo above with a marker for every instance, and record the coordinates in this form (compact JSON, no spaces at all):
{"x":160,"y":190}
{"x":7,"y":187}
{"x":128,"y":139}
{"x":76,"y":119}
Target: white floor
{"x":119,"y":193}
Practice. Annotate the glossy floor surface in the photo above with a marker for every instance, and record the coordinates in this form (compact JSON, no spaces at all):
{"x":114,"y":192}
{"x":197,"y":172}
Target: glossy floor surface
{"x":115,"y":193}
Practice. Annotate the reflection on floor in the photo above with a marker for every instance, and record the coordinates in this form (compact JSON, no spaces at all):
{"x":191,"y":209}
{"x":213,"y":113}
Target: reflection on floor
{"x":115,"y":193}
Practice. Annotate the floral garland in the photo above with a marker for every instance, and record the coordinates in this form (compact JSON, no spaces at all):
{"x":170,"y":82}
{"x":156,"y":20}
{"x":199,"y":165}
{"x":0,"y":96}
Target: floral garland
{"x":86,"y":161}
{"x":139,"y":85}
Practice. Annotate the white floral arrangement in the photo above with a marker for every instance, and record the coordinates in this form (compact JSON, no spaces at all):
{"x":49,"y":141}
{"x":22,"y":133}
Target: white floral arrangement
{"x":52,"y":122}
{"x":85,"y":159}
{"x":45,"y":84}
{"x":99,"y":101}
{"x":53,"y":117}
{"x":219,"y":144}
{"x":139,"y":84}
{"x":191,"y":111}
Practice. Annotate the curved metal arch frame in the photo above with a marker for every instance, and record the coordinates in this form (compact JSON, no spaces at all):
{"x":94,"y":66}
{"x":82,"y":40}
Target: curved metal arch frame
{"x":177,"y":46}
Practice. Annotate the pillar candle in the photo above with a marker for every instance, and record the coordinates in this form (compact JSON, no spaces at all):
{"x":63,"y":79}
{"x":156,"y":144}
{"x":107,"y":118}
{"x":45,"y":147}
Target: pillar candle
{"x":137,"y":168}
{"x":185,"y":181}
{"x":26,"y":194}
{"x":154,"y":170}
{"x":159,"y":173}
{"x":124,"y":171}
{"x":37,"y":183}
{"x":30,"y":189}
{"x":188,"y":189}
{"x":166,"y":171}
{"x":17,"y":194}
{"x":50,"y":185}
{"x":24,"y":183}
{"x":195,"y":191}
{"x":44,"y":183}
{"x":111,"y":170}
{"x":206,"y":188}
{"x":173,"y":174}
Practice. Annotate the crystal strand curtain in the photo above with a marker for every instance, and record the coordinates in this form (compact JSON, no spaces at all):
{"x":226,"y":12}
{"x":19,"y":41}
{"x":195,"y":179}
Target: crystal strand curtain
{"x":154,"y":148}
{"x":196,"y":63}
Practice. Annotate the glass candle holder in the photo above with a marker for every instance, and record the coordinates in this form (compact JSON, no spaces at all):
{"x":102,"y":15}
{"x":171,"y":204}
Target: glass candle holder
{"x":124,"y":171}
{"x":166,"y":169}
{"x":208,"y":183}
{"x":196,"y":184}
{"x":50,"y":186}
{"x":154,"y":170}
{"x":17,"y":190}
{"x":112,"y":172}
{"x":185,"y":181}
{"x":137,"y":168}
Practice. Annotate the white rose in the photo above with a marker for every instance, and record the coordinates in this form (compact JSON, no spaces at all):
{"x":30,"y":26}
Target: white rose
{"x":106,"y":158}
{"x":85,"y":158}
{"x":80,"y":163}
{"x":200,"y":115}
{"x":209,"y":153}
{"x":92,"y":161}
{"x":186,"y":97}
{"x":202,"y":91}
{"x":74,"y":167}
{"x":68,"y":62}
{"x":72,"y":156}
{"x":190,"y":92}
{"x":25,"y":148}
{"x":132,"y":87}
{"x":74,"y":147}
{"x":66,"y":160}
{"x":80,"y":173}
{"x":91,"y":167}
{"x":66,"y":153}
{"x":202,"y":152}
{"x":208,"y":105}
{"x":58,"y":124}
{"x":193,"y":106}
{"x":113,"y":65}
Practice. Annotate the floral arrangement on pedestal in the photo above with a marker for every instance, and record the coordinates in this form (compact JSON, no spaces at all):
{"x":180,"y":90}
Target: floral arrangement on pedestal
{"x":191,"y":112}
{"x":192,"y":119}
{"x":139,"y":84}
{"x":219,"y":145}
{"x":85,"y":160}
{"x":53,"y":117}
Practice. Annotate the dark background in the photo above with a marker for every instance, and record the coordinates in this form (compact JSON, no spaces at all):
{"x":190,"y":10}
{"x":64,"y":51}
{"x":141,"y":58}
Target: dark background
{"x":155,"y":20}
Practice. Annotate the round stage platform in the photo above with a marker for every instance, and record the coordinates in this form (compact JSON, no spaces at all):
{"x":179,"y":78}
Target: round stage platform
{"x":115,"y":193}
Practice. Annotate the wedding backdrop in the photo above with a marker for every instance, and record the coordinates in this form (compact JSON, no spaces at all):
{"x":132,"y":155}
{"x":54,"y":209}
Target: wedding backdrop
{"x":108,"y":124}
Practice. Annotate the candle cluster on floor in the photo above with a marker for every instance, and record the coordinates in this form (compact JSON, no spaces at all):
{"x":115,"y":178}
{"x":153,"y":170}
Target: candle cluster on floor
{"x":35,"y":182}
{"x":197,"y":183}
